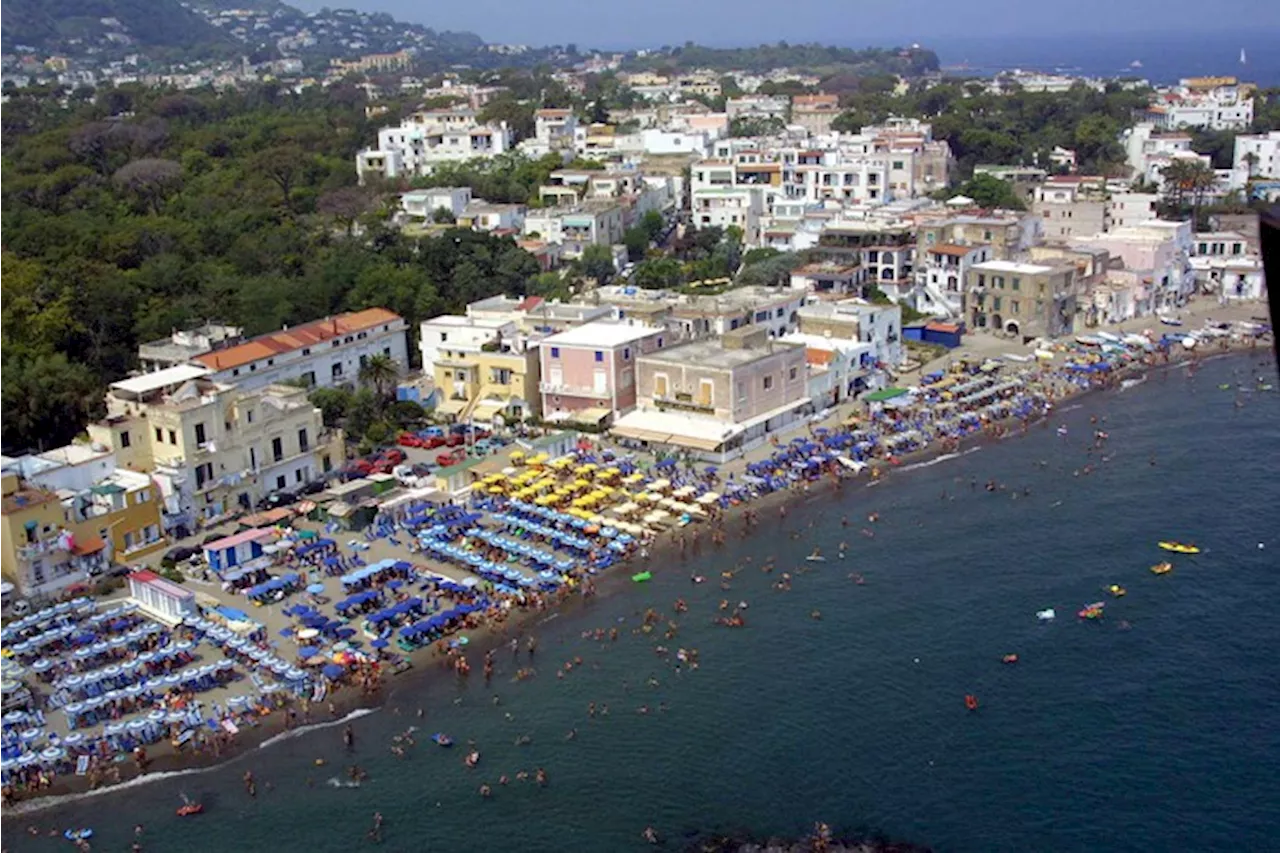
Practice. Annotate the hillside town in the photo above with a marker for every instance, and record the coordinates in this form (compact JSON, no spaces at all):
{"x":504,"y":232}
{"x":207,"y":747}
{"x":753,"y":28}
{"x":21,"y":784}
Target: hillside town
{"x":877,"y":265}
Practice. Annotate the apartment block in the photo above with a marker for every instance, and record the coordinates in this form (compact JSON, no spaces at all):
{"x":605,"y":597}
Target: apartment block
{"x":878,"y":326}
{"x":719,"y":396}
{"x":323,"y":353}
{"x":431,"y":137}
{"x":815,"y":113}
{"x":214,"y":448}
{"x":588,"y":372}
{"x":941,"y":272}
{"x":1021,"y":299}
{"x":494,"y":383}
{"x":457,"y":334}
{"x":1071,"y":206}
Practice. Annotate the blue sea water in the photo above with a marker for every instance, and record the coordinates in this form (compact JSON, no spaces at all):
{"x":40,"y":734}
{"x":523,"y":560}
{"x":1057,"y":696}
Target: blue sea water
{"x":1165,"y":58}
{"x":1159,"y":737}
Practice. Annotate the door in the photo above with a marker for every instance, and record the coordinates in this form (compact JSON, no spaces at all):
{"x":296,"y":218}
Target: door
{"x":601,"y":385}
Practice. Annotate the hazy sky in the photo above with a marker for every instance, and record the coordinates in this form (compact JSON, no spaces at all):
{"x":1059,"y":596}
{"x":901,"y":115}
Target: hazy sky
{"x":633,"y":23}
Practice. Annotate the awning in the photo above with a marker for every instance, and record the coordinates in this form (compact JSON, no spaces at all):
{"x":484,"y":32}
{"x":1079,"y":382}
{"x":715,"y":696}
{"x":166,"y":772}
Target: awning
{"x":641,"y":434}
{"x":591,"y":415}
{"x":707,"y":444}
{"x":450,"y":406}
{"x":487,"y":409}
{"x":91,"y":544}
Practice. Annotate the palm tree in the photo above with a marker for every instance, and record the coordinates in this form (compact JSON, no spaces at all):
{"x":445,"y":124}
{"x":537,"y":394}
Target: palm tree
{"x":1250,"y":162}
{"x":380,"y":371}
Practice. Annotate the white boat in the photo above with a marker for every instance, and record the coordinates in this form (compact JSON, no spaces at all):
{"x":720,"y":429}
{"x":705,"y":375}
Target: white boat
{"x":1189,"y":342}
{"x":1046,"y":615}
{"x":1170,"y":321}
{"x":1110,"y":338}
{"x":851,"y":464}
{"x":1018,"y":358}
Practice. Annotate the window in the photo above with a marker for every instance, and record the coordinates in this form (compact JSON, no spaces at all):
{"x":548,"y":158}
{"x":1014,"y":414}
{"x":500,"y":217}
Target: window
{"x":253,"y":367}
{"x":998,"y":281}
{"x":124,"y":438}
{"x":555,"y":352}
{"x":791,"y":374}
{"x":386,"y":351}
{"x":660,"y":388}
{"x":226,"y":425}
{"x":144,"y":496}
{"x":271,"y":362}
{"x":336,"y":343}
{"x":277,"y":449}
{"x":306,"y":350}
{"x":1013,"y":306}
{"x":200,"y":436}
{"x":742,"y":391}
{"x":173,"y":437}
{"x":253,"y":458}
{"x":982,"y":280}
{"x":599,"y":355}
{"x":897,"y":164}
{"x":348,"y":339}
{"x":297,"y":476}
{"x":159,"y":435}
{"x":768,"y":383}
{"x":1016,"y":283}
{"x":303,"y":443}
{"x":326,"y":464}
{"x":281,"y":482}
{"x":995,"y":303}
{"x":659,"y":343}
{"x":626,"y":353}
{"x":336,"y":370}
{"x":235,"y":372}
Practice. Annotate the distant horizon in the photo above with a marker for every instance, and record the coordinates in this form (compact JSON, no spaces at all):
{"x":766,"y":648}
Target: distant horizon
{"x":720,"y":23}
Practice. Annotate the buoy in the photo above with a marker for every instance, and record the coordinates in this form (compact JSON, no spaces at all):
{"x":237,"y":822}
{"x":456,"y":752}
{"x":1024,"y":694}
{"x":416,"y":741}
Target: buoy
{"x":971,"y":702}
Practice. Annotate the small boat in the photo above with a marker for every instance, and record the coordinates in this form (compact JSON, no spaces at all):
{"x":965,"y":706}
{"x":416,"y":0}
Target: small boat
{"x":1116,"y":590}
{"x":190,"y":809}
{"x":641,"y":577}
{"x":1092,"y":611}
{"x":442,"y":739}
{"x":83,"y":833}
{"x":1179,"y":547}
{"x":1161,"y":568}
{"x":1009,"y":659}
{"x":971,"y":702}
{"x":1225,"y":386}
{"x":1170,"y":321}
{"x":1046,"y":615}
{"x":816,"y":558}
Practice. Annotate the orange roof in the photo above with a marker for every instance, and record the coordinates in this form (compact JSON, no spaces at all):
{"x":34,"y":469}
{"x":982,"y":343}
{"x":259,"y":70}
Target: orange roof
{"x":817,"y":356}
{"x":90,"y":544}
{"x":288,"y":340}
{"x":950,"y":328}
{"x":549,"y":113}
{"x":953,"y":249}
{"x":815,"y":101}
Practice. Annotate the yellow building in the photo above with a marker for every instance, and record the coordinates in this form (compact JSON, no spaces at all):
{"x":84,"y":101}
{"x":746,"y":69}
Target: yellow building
{"x":214,"y":447}
{"x":477,"y":386}
{"x":36,"y":554}
{"x":120,"y":514}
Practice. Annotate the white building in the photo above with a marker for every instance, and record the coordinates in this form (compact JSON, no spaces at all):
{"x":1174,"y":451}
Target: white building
{"x":429,"y":137}
{"x":1131,"y":208}
{"x":941,"y":272}
{"x":1258,"y":155}
{"x":322,"y":353}
{"x":880,"y":326}
{"x":1214,"y":103}
{"x":456,"y":333}
{"x":422,"y":204}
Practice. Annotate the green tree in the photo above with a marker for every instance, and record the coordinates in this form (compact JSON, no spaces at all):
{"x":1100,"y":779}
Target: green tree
{"x":443,"y":216}
{"x":636,"y":240}
{"x":46,"y":398}
{"x":597,"y":263}
{"x":381,"y":373}
{"x":658,"y":274}
{"x":653,"y":224}
{"x":990,"y":192}
{"x":333,"y":404}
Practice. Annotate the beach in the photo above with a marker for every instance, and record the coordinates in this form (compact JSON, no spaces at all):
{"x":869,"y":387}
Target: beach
{"x":855,"y":719}
{"x":664,"y":550}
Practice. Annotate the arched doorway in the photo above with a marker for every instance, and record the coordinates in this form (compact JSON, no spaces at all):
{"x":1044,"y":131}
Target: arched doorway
{"x":997,"y":322}
{"x":1012,"y":327}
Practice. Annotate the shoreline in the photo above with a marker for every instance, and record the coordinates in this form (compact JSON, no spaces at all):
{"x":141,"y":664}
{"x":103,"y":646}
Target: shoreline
{"x":665,"y":554}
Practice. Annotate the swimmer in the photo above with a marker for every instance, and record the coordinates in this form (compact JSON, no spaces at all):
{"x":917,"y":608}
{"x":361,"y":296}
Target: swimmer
{"x":816,"y":615}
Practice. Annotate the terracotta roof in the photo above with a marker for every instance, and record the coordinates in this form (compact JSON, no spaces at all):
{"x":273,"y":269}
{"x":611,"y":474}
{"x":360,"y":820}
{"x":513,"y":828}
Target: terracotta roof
{"x":297,"y":337}
{"x":553,"y":113}
{"x":952,"y":249}
{"x":950,"y":328}
{"x":91,"y":544}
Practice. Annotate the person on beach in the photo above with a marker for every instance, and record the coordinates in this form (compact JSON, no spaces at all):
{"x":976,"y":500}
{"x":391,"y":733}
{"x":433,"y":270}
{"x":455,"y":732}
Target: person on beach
{"x":250,"y":786}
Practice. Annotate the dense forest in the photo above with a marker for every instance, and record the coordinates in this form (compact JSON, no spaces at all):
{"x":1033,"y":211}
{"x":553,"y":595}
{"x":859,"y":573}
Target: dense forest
{"x":141,"y":211}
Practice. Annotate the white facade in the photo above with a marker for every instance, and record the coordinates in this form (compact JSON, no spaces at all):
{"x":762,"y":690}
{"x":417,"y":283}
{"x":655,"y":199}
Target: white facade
{"x":941,"y":272}
{"x":655,"y":141}
{"x":1258,"y":155}
{"x":1131,"y":208}
{"x":422,"y":204}
{"x":323,"y":353}
{"x":458,"y":334}
{"x":431,"y":137}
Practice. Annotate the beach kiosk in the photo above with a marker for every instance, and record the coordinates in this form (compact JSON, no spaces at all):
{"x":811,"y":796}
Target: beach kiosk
{"x":237,"y":549}
{"x":161,"y":599}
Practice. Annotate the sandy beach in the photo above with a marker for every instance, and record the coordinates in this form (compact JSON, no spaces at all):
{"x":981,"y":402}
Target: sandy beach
{"x":490,"y":631}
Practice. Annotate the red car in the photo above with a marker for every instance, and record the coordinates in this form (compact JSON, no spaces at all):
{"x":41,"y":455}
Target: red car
{"x":444,"y":460}
{"x":454,"y":441}
{"x":408,"y":439}
{"x":434,"y":442}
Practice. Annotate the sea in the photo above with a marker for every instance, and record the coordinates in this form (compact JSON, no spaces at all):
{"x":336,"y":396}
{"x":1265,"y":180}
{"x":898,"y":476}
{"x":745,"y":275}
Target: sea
{"x":1152,"y":728}
{"x":1160,"y":58}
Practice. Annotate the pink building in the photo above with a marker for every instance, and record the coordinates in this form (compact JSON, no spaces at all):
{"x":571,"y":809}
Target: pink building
{"x":589,"y":372}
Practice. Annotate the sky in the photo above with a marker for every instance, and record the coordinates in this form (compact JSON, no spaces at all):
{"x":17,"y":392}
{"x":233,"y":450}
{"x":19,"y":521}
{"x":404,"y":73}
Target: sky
{"x":853,"y":23}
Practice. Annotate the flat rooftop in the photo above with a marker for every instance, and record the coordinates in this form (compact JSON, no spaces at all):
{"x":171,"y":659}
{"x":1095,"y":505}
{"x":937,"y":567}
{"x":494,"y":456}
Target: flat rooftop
{"x":460,"y":320}
{"x":711,"y":353}
{"x":1013,"y":266}
{"x":598,"y":334}
{"x":138,"y":386}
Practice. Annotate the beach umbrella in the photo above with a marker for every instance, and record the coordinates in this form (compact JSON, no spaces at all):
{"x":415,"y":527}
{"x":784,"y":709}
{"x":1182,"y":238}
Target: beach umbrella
{"x":27,"y":758}
{"x":307,"y":652}
{"x":225,"y":664}
{"x":333,"y":671}
{"x":269,"y":687}
{"x":176,"y":717}
{"x":316,"y":589}
{"x":156,"y":716}
{"x":379,"y":644}
{"x":137,"y":725}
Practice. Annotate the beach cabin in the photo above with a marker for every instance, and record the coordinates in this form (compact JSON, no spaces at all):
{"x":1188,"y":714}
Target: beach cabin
{"x":948,"y":335}
{"x":237,"y":549}
{"x":163,"y":600}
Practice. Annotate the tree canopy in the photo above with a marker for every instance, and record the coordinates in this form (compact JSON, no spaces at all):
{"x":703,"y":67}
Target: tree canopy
{"x":143,"y":211}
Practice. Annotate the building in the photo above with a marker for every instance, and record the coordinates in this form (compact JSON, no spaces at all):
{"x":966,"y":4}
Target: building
{"x":1008,"y":233}
{"x":496,"y":382}
{"x":1258,"y":155}
{"x":594,"y":222}
{"x":1126,"y":209}
{"x":588,"y":372}
{"x":829,"y":278}
{"x":534,"y":315}
{"x":162,"y":599}
{"x":37,"y":554}
{"x":1231,"y":279}
{"x":879,"y":326}
{"x":184,"y":345}
{"x":118,"y":518}
{"x":884,"y":249}
{"x":1071,"y":207}
{"x":322,"y":353}
{"x":941,"y":272}
{"x":423,"y":204}
{"x":214,"y":448}
{"x":718,"y":397}
{"x":431,"y":137}
{"x":1025,"y":300}
{"x":758,"y":107}
{"x":1213,"y":103}
{"x":459,"y":334}
{"x":1159,"y":252}
{"x":839,"y":369}
{"x":815,"y":113}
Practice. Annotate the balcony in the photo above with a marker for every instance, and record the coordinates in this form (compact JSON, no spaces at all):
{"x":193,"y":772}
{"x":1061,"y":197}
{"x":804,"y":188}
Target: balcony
{"x":573,"y":390}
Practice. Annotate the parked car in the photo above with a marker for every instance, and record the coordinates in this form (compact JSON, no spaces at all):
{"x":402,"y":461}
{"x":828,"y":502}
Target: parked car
{"x":315,"y":487}
{"x":176,"y":555}
{"x":453,"y":457}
